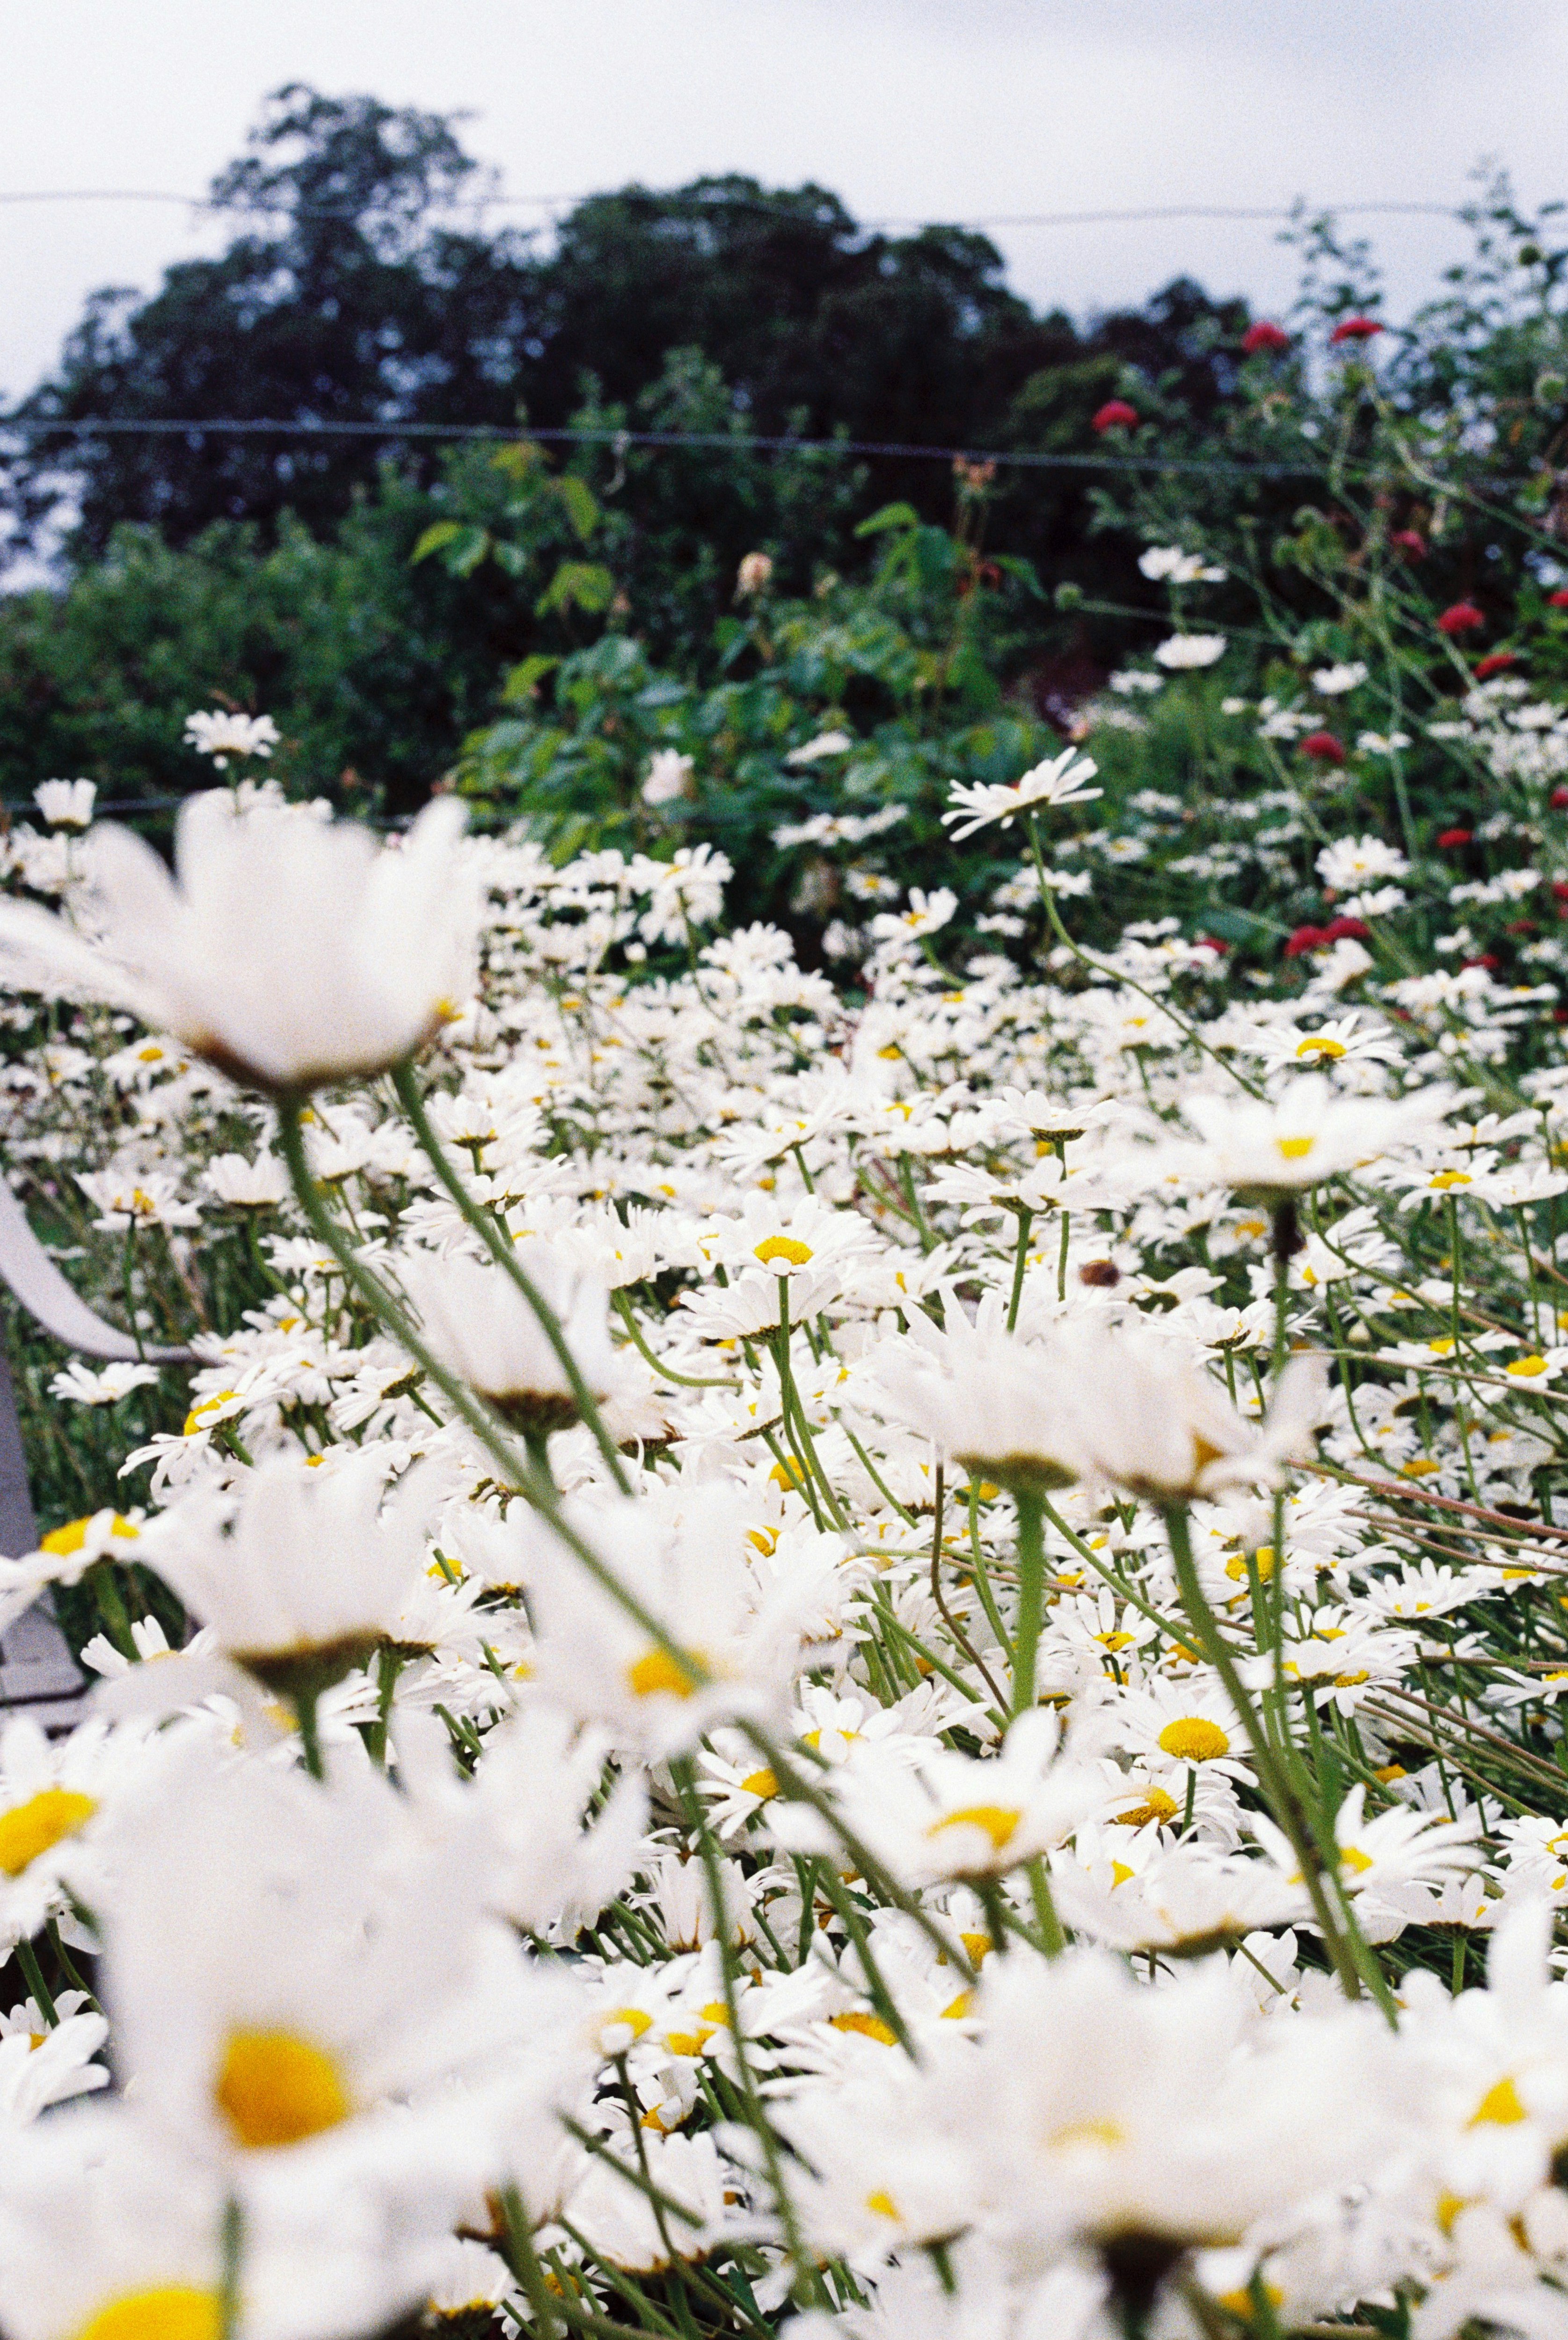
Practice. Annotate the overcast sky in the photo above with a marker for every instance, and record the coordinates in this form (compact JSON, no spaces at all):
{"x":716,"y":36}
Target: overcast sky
{"x":938,"y":109}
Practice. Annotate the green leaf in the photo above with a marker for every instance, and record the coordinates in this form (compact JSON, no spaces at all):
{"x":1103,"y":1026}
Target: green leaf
{"x":577,"y":584}
{"x":890,"y":516}
{"x":440,"y":532}
{"x":461,"y":549}
{"x":581,"y":504}
{"x":522,"y":681}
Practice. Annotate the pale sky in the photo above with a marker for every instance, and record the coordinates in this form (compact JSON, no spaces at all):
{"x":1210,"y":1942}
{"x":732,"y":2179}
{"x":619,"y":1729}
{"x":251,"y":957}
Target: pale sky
{"x":936,"y":109}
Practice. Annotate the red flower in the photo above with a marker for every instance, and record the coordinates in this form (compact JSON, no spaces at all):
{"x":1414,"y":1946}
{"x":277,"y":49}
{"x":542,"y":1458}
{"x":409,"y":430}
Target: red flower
{"x":1460,"y":618}
{"x":1323,"y":747}
{"x":1115,"y":414}
{"x":1495,"y":664}
{"x":1455,"y":837}
{"x":1560,"y":887}
{"x":1355,"y":329}
{"x":1309,"y":939}
{"x":1485,"y":960}
{"x":1209,"y":942}
{"x":1410,"y":541}
{"x":1520,"y":927}
{"x":1558,"y":799}
{"x":1265,"y":335}
{"x":1558,"y":601}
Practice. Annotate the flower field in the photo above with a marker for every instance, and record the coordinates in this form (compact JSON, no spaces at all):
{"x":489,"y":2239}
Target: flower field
{"x":855,"y":1623}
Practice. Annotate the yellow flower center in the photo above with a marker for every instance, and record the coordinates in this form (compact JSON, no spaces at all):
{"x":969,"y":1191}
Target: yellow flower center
{"x":1235,"y":1567}
{"x":196,"y":1419}
{"x":1526,"y":1368}
{"x":1156,"y":1806}
{"x":27,"y":1829}
{"x":1499,"y":2108}
{"x":63,"y":1541}
{"x":276,"y":2088}
{"x":869,"y":2027}
{"x":1351,"y":1856}
{"x":1194,"y":1739}
{"x":1107,"y":2134}
{"x":632,"y":2019}
{"x":785,"y":1247}
{"x":883,"y":2204}
{"x":760,"y":1783}
{"x":1318,"y":1044}
{"x":1242,"y":2304}
{"x":1443,"y":1179}
{"x":1295,"y":1149}
{"x":997,"y":1820}
{"x":174,"y":2313}
{"x":657,"y":1673}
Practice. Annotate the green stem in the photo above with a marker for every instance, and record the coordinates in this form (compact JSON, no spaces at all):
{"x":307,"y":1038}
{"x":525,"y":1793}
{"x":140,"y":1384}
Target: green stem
{"x":1277,"y":1788}
{"x":515,"y":1469}
{"x":309,"y":1733}
{"x":33,"y":1975}
{"x":665,"y":1372}
{"x":503,"y":1250}
{"x":1031,"y":1599}
{"x":1021,"y":1260}
{"x":808,"y":2284}
{"x":232,"y":2252}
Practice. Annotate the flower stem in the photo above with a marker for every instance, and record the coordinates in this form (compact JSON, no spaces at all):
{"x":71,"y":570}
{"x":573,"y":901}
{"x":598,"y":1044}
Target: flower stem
{"x":1021,"y":1260}
{"x":1031,"y":1601}
{"x":503,"y":1251}
{"x":1275,"y":1783}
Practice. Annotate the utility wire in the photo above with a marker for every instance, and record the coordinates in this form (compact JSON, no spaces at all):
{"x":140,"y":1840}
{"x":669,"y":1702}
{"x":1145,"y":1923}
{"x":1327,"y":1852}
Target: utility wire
{"x":722,"y":442}
{"x":718,"y":201}
{"x":37,"y":426}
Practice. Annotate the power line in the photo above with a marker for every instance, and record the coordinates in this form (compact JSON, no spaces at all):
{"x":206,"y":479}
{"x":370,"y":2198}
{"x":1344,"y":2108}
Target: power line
{"x":719,"y":201}
{"x":722,"y":442}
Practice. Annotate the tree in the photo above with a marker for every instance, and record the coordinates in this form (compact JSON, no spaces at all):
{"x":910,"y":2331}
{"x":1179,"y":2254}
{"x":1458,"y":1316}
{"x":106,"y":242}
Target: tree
{"x":357,"y":307}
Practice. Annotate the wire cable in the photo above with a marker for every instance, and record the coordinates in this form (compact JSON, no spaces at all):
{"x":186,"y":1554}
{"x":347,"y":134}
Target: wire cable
{"x":722,"y":442}
{"x":718,"y":201}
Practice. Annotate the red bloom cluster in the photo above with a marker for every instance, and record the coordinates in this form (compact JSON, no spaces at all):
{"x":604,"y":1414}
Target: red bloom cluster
{"x":1355,"y":329}
{"x":1455,"y":837}
{"x":1115,"y":414}
{"x":1498,"y":662}
{"x":1308,"y":939}
{"x":1410,"y":541}
{"x":1558,"y":601}
{"x":1265,"y":335}
{"x":1461,"y":617}
{"x":1558,"y":799}
{"x":1323,"y":747}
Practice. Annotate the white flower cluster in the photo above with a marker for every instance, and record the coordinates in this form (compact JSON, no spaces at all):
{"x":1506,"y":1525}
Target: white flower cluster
{"x":875,"y":1664}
